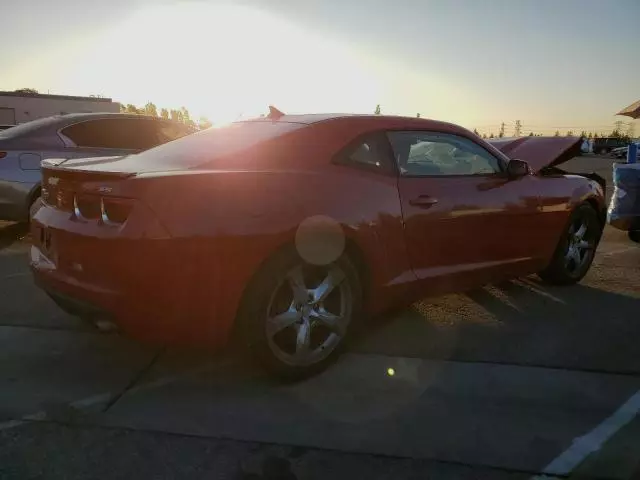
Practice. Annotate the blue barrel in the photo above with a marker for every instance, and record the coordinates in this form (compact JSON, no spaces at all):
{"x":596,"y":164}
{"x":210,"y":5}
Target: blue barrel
{"x":624,"y":208}
{"x":632,"y":153}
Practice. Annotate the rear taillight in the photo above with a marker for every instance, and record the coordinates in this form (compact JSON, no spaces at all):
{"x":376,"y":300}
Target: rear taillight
{"x":63,"y":200}
{"x":107,"y":211}
{"x":115,"y":211}
{"x":3,"y":154}
{"x":86,"y":206}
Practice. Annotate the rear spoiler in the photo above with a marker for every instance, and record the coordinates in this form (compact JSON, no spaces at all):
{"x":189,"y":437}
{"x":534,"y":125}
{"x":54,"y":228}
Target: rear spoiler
{"x":52,"y":169}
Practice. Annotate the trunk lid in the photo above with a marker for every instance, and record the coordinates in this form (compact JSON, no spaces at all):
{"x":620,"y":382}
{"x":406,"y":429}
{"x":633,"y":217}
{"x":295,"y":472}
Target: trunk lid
{"x":539,"y":152}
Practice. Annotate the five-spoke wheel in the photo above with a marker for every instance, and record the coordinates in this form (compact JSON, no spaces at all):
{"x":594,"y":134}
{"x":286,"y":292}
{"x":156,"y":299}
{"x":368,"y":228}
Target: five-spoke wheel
{"x":297,"y":316}
{"x":576,"y":248}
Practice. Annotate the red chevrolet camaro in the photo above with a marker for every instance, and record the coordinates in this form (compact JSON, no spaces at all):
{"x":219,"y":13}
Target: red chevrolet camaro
{"x":286,"y":232}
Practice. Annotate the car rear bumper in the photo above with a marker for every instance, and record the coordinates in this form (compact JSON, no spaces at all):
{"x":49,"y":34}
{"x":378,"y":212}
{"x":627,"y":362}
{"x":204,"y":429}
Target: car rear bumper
{"x":144,"y":286}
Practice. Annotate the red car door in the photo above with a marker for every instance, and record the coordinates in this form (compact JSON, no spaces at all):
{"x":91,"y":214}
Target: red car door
{"x":464,"y":218}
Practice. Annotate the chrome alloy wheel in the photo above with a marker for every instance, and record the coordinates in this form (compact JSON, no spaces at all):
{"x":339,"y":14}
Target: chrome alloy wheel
{"x":580,"y":246}
{"x":308,"y":314}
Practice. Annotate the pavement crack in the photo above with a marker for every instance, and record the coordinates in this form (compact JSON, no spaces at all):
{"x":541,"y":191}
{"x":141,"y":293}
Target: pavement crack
{"x":134,"y":380}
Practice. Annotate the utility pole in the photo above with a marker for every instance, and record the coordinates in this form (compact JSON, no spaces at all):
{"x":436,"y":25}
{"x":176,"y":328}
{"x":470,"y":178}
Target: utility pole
{"x":517,"y":129}
{"x":618,"y":128}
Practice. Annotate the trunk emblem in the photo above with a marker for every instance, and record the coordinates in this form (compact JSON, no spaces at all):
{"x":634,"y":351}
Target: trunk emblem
{"x":53,"y":181}
{"x":105,"y":189}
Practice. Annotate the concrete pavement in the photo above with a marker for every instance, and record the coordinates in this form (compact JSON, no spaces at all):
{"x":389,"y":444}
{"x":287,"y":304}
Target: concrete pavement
{"x":498,"y":383}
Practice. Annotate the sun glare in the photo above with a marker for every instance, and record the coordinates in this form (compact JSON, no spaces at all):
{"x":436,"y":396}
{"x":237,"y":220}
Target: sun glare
{"x":225,"y":63}
{"x":230,"y":62}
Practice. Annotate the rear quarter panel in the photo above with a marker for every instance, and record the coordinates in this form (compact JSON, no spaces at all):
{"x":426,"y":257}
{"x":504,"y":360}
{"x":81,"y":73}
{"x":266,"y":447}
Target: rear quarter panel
{"x":228,"y":223}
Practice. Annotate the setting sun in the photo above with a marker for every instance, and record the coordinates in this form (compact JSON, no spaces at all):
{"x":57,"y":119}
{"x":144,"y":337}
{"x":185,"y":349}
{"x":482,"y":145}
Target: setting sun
{"x":224,"y":63}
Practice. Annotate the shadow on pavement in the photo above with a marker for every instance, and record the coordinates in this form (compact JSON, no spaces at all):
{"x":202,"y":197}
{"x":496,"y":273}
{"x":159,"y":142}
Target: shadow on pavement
{"x":519,"y":322}
{"x":11,"y":233}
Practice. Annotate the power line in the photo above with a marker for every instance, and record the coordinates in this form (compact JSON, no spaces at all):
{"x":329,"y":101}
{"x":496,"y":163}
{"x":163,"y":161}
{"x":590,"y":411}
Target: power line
{"x":517,"y":129}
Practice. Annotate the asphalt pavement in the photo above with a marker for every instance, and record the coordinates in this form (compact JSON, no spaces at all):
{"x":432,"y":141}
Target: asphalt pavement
{"x":516,"y":380}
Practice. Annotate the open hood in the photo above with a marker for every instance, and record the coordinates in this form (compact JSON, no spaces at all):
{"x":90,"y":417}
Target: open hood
{"x":539,"y":152}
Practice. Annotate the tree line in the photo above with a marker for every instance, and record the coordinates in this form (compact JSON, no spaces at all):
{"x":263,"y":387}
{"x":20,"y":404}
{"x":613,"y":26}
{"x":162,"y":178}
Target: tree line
{"x":616,"y":133}
{"x":177,"y":115}
{"x":182,"y":115}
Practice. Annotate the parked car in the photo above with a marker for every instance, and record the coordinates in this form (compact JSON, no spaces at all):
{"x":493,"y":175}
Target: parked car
{"x":621,"y":153}
{"x":24,"y":146}
{"x":285,"y":233}
{"x":624,"y":205}
{"x":604,"y":145}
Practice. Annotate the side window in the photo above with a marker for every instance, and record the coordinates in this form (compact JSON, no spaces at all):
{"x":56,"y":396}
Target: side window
{"x":117,"y":133}
{"x":370,"y":151}
{"x":436,"y":154}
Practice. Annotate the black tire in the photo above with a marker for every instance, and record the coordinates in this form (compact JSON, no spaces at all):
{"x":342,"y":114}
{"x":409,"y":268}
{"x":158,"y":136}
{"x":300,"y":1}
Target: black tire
{"x":274,"y":280}
{"x":634,"y":236}
{"x":567,"y":272}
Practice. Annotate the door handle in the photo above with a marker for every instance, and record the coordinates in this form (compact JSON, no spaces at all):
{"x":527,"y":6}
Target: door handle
{"x":423,"y":201}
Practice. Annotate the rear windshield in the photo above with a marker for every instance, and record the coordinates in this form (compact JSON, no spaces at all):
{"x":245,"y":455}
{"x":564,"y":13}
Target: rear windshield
{"x":194,"y":150}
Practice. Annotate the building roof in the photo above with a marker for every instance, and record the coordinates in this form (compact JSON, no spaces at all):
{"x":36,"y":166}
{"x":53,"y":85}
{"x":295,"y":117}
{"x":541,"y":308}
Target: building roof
{"x":56,"y":97}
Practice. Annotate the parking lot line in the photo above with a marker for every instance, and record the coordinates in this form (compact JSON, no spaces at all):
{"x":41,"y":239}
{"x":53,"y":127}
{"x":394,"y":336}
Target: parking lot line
{"x":583,"y":446}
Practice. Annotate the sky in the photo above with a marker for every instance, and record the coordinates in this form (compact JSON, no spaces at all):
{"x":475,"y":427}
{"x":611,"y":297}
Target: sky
{"x":552,"y":64}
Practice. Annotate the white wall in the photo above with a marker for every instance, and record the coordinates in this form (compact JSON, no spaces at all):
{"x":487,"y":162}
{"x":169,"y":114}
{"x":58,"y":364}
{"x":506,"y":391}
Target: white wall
{"x":30,"y":108}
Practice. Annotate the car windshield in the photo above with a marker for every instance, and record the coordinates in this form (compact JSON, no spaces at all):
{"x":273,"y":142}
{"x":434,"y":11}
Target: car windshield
{"x":194,"y":150}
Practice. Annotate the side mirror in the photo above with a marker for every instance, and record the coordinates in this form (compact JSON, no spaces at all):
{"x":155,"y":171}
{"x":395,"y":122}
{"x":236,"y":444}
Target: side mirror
{"x":518,"y":168}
